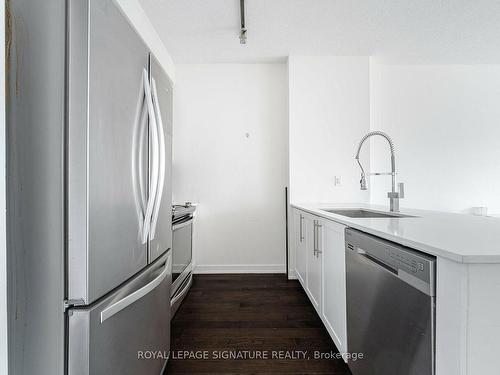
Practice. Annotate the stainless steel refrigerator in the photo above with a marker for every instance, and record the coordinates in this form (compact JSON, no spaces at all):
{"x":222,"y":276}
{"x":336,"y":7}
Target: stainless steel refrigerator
{"x":89,"y":129}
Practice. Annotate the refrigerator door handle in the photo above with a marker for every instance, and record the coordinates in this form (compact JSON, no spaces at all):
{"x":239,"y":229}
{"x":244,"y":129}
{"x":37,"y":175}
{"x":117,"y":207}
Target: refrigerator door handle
{"x":155,"y":159}
{"x":138,"y":152}
{"x":161,"y":144}
{"x":137,"y":295}
{"x":142,"y":136}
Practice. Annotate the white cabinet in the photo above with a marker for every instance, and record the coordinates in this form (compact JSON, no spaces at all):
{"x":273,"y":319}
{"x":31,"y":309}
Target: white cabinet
{"x":333,"y":308}
{"x":320,"y":267}
{"x":308,"y":265}
{"x":299,"y":243}
{"x":314,"y":266}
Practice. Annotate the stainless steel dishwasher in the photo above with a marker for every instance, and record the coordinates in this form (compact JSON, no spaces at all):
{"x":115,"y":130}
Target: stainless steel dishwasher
{"x":390,"y":307}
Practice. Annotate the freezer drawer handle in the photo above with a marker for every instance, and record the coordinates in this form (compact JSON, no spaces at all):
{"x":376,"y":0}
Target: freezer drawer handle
{"x":155,"y":159}
{"x":161,"y":145}
{"x":137,"y":295}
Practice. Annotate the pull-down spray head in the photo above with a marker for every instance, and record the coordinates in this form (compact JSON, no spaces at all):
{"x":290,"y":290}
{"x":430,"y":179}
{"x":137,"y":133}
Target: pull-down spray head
{"x":362,"y":181}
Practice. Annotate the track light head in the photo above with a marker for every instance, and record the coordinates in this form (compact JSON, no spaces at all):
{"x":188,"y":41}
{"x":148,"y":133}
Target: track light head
{"x":243,"y":36}
{"x":243,"y":30}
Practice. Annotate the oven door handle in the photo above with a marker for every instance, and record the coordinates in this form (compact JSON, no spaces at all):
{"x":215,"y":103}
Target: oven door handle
{"x":183,"y":289}
{"x":182,"y":224}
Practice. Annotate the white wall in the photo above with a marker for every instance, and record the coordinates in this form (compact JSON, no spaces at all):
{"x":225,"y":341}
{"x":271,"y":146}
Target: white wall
{"x":238,"y":181}
{"x":133,"y":10}
{"x":445,"y":122}
{"x":329,"y":113}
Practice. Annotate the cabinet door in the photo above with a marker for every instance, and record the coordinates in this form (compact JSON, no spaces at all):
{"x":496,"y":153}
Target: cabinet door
{"x":300,"y":246}
{"x":333,"y":310}
{"x":314,"y":267}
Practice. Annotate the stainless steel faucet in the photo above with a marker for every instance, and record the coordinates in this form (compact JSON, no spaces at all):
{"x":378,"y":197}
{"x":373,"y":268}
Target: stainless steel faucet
{"x":393,"y":195}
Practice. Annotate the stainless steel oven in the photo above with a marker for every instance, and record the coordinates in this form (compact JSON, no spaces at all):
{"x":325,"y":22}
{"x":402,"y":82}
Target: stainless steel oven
{"x":182,"y":252}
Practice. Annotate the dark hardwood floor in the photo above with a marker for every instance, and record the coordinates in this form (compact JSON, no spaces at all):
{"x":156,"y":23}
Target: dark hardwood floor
{"x":245,"y":315}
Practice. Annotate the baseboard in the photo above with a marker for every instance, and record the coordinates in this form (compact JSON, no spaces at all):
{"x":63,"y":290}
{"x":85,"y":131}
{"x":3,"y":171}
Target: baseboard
{"x":292,"y":275}
{"x":239,"y":268}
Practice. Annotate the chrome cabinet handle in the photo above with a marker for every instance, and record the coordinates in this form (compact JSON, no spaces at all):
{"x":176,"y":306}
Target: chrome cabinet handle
{"x":318,"y":228}
{"x":155,"y":159}
{"x":162,"y":164}
{"x":314,"y":238}
{"x":137,"y":295}
{"x":301,"y":231}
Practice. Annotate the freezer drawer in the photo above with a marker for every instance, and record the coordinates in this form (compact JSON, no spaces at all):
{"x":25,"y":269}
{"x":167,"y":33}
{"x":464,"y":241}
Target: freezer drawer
{"x":109,"y":336}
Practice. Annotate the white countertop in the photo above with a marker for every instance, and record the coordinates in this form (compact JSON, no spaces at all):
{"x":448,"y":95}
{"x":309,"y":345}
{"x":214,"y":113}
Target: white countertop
{"x":459,"y":237}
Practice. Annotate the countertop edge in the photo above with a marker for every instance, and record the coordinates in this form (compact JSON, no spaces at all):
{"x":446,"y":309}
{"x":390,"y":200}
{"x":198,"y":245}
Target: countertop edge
{"x":437,"y":252}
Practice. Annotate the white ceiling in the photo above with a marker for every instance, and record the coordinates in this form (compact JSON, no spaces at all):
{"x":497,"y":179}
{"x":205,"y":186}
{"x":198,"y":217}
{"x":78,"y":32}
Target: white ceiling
{"x":420,"y":31}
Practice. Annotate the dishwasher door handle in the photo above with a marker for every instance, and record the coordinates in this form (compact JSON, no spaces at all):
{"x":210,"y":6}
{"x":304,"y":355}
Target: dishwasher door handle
{"x":374,"y":260}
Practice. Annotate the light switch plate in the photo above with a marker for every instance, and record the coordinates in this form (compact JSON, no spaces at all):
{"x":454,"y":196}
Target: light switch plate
{"x":337,"y":180}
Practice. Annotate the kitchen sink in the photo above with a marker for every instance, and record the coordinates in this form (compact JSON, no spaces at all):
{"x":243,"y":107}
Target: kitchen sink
{"x":362,"y":213}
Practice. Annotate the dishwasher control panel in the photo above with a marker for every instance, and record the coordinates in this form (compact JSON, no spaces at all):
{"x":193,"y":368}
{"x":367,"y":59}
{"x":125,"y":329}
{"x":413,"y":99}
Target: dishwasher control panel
{"x":392,"y":256}
{"x":406,"y":261}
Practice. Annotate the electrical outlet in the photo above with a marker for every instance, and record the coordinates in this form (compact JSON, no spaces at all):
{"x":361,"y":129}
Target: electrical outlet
{"x":337,"y":180}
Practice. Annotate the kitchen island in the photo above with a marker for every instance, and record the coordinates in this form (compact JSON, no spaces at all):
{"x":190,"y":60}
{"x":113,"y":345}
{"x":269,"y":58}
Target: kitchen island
{"x":467,"y":251}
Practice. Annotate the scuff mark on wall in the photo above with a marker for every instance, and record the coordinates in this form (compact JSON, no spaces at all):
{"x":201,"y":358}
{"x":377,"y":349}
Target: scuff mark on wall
{"x":8,"y":42}
{"x":14,"y":36}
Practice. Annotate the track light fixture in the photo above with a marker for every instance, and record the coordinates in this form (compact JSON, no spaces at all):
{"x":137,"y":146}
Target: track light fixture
{"x":243,"y":31}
